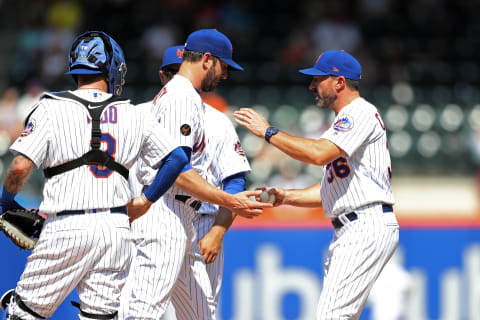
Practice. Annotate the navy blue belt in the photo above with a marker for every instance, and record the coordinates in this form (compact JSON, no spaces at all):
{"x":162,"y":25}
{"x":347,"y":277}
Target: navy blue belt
{"x":352,"y":216}
{"x":121,"y":209}
{"x":196,"y":204}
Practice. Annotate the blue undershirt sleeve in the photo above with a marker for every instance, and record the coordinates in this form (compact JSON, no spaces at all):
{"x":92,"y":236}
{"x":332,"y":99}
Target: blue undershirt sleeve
{"x":234,"y":183}
{"x":168,"y":172}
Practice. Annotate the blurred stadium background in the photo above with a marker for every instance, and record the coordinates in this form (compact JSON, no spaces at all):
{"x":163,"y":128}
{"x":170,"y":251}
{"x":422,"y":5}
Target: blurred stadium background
{"x":420,"y":68}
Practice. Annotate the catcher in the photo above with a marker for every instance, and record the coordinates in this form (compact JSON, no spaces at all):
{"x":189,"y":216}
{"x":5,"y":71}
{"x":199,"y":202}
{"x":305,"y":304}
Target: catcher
{"x":86,"y":140}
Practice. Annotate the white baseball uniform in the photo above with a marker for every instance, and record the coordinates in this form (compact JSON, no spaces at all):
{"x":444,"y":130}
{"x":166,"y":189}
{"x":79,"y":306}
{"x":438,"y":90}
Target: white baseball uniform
{"x":168,"y":259}
{"x":225,"y":157}
{"x":90,"y":251}
{"x":359,"y":183}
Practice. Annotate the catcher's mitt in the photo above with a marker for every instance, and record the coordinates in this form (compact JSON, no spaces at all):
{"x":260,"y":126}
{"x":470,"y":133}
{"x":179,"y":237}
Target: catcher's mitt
{"x":22,"y":226}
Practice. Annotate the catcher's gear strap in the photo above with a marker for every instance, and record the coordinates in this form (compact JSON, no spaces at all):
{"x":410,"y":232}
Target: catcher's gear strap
{"x":95,"y":156}
{"x":24,"y":307}
{"x":93,"y":316}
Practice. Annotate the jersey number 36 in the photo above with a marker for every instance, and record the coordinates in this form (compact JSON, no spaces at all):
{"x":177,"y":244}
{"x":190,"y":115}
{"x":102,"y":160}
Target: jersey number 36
{"x":337,"y":168}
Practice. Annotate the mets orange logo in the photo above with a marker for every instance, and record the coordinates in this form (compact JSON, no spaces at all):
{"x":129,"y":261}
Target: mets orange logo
{"x":180,"y":53}
{"x":185,"y":129}
{"x":335,"y":69}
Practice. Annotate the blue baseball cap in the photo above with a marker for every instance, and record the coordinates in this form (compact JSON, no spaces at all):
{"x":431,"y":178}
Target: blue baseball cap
{"x":213,"y":41}
{"x":173,"y":55}
{"x":336,"y":63}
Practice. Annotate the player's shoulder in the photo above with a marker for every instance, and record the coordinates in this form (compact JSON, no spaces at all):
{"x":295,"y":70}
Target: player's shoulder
{"x":143,"y":106}
{"x":359,"y":108}
{"x":215,"y":114}
{"x":363,"y":105}
{"x":178,"y":88}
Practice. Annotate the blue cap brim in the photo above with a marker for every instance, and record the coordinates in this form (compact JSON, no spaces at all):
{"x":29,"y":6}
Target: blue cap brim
{"x":232,"y":64}
{"x":313,"y":72}
{"x":84,"y":71}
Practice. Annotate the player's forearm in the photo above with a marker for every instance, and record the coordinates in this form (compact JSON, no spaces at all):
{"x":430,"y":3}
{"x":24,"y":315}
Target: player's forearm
{"x":18,"y":173}
{"x":308,"y":198}
{"x":224,"y":219}
{"x":317,"y":152}
{"x":196,"y":186}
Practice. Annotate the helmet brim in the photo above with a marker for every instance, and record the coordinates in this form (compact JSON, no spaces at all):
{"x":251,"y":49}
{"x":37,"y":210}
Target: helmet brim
{"x":84,"y":71}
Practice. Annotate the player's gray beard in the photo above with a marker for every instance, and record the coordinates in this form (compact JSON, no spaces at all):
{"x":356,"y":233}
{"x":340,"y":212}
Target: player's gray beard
{"x":210,"y":82}
{"x":327,"y":102}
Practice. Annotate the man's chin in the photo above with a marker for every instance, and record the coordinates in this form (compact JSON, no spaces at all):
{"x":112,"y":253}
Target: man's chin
{"x":321,"y":104}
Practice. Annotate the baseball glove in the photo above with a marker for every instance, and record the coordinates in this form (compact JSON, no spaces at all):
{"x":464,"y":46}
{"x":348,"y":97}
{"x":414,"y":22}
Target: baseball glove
{"x":22,"y":226}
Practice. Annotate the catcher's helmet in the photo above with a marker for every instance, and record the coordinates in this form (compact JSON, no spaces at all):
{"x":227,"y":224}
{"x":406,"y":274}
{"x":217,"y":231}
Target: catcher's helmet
{"x":94,"y":52}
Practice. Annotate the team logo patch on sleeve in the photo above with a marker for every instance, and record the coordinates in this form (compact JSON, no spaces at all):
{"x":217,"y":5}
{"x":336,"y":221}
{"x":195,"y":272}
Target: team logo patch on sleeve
{"x":238,"y":148}
{"x":30,"y":127}
{"x":185,"y":129}
{"x":344,"y":124}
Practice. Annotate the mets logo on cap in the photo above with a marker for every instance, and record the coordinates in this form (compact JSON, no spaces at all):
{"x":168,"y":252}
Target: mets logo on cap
{"x":29,"y":128}
{"x":343,"y":124}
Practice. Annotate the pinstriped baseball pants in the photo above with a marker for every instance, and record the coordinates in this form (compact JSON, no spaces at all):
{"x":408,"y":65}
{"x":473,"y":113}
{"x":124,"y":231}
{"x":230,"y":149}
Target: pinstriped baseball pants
{"x":356,"y":256}
{"x":91,"y":252}
{"x":169,"y":264}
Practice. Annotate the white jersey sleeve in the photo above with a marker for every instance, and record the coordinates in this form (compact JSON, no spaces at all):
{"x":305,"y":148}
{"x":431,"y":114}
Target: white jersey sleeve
{"x":224,"y":155}
{"x":158,"y":143}
{"x":364,"y":175}
{"x":182,"y":118}
{"x":180,"y":111}
{"x":229,"y":157}
{"x":352,"y":128}
{"x":35,"y":140}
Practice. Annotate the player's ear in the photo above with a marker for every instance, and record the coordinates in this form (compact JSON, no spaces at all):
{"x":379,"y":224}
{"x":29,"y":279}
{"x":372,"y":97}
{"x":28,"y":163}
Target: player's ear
{"x":207,"y":60}
{"x":163,"y":77}
{"x":340,"y":83}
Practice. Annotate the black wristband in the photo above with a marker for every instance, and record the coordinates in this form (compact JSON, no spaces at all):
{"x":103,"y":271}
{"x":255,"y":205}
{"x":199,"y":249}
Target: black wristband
{"x":271,"y":131}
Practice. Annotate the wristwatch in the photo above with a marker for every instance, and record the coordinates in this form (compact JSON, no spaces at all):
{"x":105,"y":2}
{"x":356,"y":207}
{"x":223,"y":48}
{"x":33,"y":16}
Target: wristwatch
{"x":271,"y":131}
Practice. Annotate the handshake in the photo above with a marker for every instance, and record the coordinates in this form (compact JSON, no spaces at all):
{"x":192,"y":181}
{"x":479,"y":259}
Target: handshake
{"x":274,"y":196}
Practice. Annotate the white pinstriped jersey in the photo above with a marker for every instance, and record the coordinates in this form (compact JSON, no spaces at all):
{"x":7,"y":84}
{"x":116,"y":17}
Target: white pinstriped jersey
{"x":364,"y":176}
{"x":224,"y":155}
{"x":59,"y":130}
{"x":180,"y":111}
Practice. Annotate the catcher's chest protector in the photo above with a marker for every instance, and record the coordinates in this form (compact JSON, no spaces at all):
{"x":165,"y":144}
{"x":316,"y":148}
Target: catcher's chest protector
{"x":95,"y":156}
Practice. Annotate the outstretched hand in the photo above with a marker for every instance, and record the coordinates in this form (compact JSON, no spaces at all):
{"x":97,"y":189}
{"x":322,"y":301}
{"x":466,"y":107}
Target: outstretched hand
{"x":243,"y":206}
{"x":251,"y":120}
{"x":137,"y":207}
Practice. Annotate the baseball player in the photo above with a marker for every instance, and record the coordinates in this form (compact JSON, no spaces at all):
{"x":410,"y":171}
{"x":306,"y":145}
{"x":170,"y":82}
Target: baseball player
{"x":356,"y":190}
{"x":226,"y":162}
{"x":86,"y":140}
{"x":169,"y":264}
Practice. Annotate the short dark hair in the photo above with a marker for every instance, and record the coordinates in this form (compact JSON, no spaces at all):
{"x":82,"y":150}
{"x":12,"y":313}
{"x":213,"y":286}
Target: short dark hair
{"x":192,"y":56}
{"x":195,"y":56}
{"x":352,"y":84}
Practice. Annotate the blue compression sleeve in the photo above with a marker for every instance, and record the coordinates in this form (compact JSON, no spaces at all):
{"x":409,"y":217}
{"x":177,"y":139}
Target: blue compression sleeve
{"x":234,"y":183}
{"x":167,"y":174}
{"x":7,"y":196}
{"x":187,"y":167}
